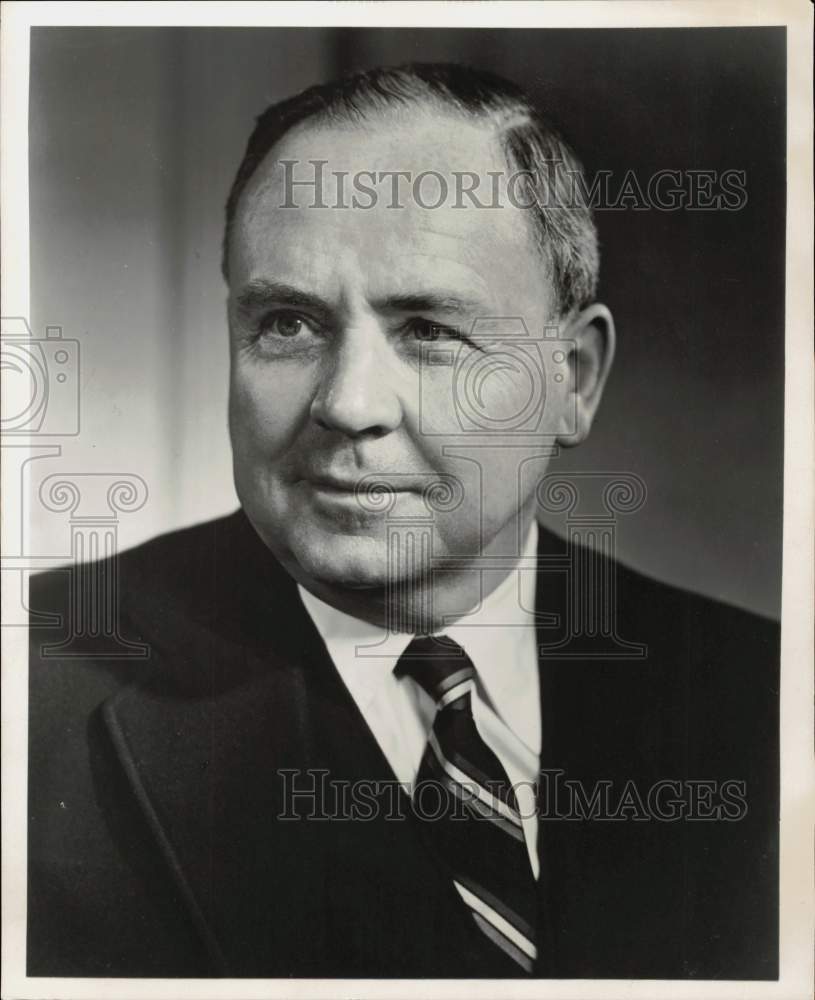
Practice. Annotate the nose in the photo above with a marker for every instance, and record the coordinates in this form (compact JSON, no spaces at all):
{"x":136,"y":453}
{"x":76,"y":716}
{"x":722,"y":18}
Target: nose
{"x":356,"y":396}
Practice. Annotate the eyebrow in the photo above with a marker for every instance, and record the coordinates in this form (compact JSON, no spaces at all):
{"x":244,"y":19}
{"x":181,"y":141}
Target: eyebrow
{"x":261,"y":294}
{"x":438,"y":302}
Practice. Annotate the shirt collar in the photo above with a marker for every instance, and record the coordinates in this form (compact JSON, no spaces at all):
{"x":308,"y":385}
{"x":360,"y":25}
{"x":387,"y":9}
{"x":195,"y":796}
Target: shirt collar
{"x":500,"y":639}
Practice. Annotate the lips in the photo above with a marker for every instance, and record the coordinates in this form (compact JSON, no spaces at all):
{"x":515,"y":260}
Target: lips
{"x":363,"y":483}
{"x":333,"y":485}
{"x":365,"y":498}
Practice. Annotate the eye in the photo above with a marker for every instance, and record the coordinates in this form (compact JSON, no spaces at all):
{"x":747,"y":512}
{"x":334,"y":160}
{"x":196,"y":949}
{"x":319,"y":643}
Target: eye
{"x":286,"y":325}
{"x":425,"y":329}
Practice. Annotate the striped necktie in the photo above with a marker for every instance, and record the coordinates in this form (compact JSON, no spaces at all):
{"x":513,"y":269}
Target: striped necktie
{"x":468,"y":808}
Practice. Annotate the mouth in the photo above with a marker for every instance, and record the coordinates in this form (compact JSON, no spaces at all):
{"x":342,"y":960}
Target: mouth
{"x":356,"y":494}
{"x":361,"y":485}
{"x":328,"y":485}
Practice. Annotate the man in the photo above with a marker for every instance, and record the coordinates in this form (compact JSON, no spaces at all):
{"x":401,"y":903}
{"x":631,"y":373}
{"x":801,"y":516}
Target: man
{"x":378,"y":733}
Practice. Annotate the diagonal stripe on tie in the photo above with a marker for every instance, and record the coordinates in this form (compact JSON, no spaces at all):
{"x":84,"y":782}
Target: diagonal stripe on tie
{"x":502,"y":931}
{"x":515,"y":953}
{"x":474,"y":798}
{"x":473,"y":826}
{"x":450,"y":757}
{"x":468,"y":776}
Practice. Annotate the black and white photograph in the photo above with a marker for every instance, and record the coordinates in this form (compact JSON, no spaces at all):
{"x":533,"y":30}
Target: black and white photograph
{"x":407,"y":449}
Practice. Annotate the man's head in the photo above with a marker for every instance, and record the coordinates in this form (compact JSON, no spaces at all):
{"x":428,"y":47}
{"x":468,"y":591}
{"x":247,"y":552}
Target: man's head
{"x":390,"y":325}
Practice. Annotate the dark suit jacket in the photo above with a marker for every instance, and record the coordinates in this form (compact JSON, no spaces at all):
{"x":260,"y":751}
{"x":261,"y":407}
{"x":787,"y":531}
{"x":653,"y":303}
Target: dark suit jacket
{"x":155,"y":787}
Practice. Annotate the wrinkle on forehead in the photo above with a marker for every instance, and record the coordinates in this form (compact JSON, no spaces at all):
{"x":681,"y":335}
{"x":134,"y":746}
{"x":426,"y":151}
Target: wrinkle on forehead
{"x":380,"y":260}
{"x":493,"y":249}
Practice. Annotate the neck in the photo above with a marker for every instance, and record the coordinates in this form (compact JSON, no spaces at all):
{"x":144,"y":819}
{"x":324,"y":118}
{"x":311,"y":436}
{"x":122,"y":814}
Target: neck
{"x":428,"y":602}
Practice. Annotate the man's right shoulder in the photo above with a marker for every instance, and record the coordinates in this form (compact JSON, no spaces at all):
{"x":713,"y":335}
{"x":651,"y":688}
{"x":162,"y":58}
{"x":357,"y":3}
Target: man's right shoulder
{"x":186,"y":569}
{"x":173,"y":560}
{"x":84,"y":639}
{"x":180,"y":590}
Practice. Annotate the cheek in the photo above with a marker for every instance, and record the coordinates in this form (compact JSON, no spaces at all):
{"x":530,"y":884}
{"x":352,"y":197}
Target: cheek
{"x":268,"y":403}
{"x":508,"y":390}
{"x":503,"y":396}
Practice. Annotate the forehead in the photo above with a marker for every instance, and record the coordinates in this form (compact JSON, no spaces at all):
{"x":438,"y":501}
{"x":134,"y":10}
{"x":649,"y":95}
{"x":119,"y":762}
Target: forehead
{"x":381,"y":231}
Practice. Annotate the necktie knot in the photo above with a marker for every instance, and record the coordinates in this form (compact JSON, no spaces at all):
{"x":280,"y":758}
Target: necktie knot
{"x":439,"y":665}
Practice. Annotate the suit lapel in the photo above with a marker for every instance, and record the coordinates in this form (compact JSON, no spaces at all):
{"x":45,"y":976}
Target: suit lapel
{"x":200,"y":739}
{"x":206,"y":770}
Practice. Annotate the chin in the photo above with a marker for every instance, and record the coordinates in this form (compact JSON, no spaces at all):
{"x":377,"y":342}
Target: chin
{"x":349,"y":561}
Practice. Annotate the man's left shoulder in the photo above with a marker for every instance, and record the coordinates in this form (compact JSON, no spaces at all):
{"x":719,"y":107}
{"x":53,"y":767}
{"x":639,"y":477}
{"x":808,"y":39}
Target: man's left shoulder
{"x":716,"y":665}
{"x":703,"y":622}
{"x":676,"y":628}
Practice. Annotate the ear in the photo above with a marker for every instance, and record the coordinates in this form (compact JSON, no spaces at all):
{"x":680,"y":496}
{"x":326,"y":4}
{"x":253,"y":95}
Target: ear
{"x":593,"y":343}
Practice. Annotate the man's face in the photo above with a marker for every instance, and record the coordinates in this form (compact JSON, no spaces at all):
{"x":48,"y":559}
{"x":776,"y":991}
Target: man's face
{"x":336,"y":317}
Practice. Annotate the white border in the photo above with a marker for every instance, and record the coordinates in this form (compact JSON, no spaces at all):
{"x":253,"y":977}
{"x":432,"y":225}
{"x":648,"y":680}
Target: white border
{"x":798,"y":767}
{"x":14,"y":254}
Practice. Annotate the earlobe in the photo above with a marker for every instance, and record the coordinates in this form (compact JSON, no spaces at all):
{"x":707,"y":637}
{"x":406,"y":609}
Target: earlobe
{"x":594,"y":340}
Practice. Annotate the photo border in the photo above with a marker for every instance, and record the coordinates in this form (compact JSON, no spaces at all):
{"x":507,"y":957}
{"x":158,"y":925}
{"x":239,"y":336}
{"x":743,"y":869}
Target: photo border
{"x":797,"y":869}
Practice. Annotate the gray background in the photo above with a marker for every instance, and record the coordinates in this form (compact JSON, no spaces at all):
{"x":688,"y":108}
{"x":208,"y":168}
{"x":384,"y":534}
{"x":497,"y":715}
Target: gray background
{"x":135,"y":135}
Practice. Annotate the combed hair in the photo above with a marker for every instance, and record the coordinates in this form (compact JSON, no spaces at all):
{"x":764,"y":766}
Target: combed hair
{"x":563,"y":223}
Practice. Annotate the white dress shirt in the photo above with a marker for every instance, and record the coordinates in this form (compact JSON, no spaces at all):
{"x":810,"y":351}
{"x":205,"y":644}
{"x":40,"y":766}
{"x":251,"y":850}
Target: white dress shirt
{"x":499,"y":637}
